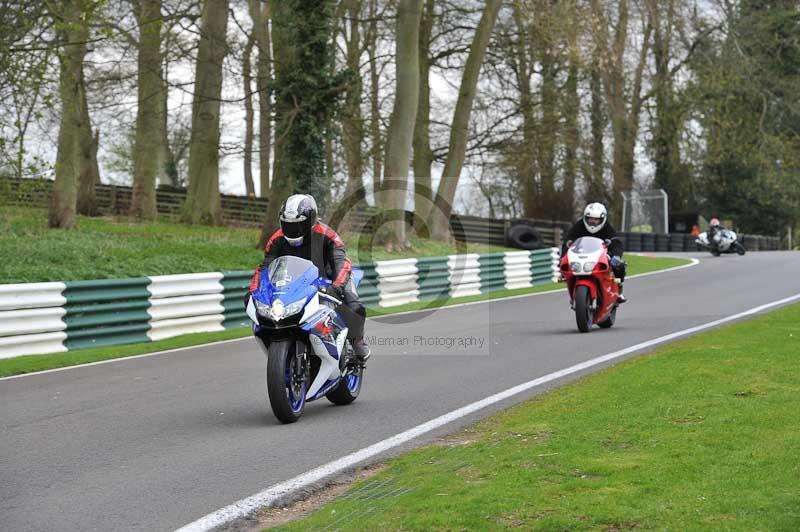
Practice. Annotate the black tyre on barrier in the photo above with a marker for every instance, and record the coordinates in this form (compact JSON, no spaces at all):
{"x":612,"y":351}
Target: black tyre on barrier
{"x":662,"y":242}
{"x":648,"y":242}
{"x":633,"y":242}
{"x":524,"y":236}
{"x":584,"y":315}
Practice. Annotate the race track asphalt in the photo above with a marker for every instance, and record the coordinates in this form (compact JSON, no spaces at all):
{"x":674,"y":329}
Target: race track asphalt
{"x":154,"y":443}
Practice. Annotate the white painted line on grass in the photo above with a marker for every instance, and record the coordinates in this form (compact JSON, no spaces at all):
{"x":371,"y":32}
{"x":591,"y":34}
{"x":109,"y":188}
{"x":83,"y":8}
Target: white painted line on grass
{"x":694,"y":262}
{"x":273,"y":494}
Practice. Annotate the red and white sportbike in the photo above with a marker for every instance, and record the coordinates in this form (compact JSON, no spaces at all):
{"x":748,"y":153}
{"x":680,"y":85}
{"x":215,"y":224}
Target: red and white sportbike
{"x":593,"y":288}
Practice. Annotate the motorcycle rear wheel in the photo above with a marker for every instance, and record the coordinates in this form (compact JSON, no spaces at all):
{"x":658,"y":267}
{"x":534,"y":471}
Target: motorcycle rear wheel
{"x":609,"y":321}
{"x":584,"y":316}
{"x":286,"y":400}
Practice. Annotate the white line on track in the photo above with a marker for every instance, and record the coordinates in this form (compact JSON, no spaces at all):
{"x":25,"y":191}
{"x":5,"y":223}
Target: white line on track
{"x":275,"y":493}
{"x":694,"y":262}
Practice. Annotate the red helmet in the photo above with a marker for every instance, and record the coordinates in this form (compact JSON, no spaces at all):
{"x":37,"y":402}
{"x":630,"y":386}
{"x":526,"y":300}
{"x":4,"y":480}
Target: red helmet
{"x":714,"y":222}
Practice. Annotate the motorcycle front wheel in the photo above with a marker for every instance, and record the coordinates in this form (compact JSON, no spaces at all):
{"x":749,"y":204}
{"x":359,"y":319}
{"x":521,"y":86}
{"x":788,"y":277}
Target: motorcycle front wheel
{"x":740,"y":249}
{"x":349,"y":386}
{"x":286,"y":382}
{"x":583,"y":309}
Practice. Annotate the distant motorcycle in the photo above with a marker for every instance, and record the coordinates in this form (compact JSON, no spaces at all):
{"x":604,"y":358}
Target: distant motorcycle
{"x":593,"y":289}
{"x":726,"y":242}
{"x":305,"y":339}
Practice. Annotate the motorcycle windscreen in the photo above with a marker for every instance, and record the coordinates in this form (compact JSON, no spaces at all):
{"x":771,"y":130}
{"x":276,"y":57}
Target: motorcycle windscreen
{"x":587,"y":245}
{"x":290,"y":278}
{"x":287,"y":270}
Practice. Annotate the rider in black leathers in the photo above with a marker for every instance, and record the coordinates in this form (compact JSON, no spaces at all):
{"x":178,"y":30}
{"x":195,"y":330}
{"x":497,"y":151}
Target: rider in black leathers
{"x":595,"y":223}
{"x":302,"y":235}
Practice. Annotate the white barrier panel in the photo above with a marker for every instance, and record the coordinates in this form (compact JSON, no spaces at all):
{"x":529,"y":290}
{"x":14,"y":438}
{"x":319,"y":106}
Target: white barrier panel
{"x":160,"y":330}
{"x":31,"y":295}
{"x":397,"y":282}
{"x":185,"y":307}
{"x":555,"y":256}
{"x":31,"y":321}
{"x":162,"y":286}
{"x":518,"y":269}
{"x":32,"y":344}
{"x":465,"y":278}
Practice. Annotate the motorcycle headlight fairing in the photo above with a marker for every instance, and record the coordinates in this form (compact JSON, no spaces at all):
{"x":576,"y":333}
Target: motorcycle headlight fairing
{"x":576,"y":267}
{"x":279,"y":310}
{"x":588,"y":266}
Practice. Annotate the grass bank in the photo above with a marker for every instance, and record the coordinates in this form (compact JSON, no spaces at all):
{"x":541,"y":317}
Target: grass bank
{"x":109,"y":248}
{"x":701,"y":435}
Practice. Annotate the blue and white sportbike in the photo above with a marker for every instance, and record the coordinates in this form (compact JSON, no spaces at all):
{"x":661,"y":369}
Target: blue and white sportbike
{"x":305,"y":339}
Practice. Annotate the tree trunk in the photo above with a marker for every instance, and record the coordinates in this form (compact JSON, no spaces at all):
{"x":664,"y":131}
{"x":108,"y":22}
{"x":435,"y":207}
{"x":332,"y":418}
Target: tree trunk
{"x":148,"y":115}
{"x":423,"y":155}
{"x":571,"y":138}
{"x":624,"y":116}
{"x":401,"y":125}
{"x":89,"y":171}
{"x":352,"y":121}
{"x":248,"y":116}
{"x":376,"y":140}
{"x":526,"y":165}
{"x":73,"y":34}
{"x":203,"y":204}
{"x":547,"y":133}
{"x":167,"y":167}
{"x":260,"y":13}
{"x":596,"y":190}
{"x":667,"y":120}
{"x":282,"y":183}
{"x":439,"y":217}
{"x":302,"y":34}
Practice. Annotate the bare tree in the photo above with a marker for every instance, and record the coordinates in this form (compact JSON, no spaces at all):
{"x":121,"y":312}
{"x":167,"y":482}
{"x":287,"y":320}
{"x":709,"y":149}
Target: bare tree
{"x":353,"y":121}
{"x":150,"y":106}
{"x":623,"y":94}
{"x":401,"y":126}
{"x":248,"y":115}
{"x":203,"y":200}
{"x":73,"y":34}
{"x":376,"y":138}
{"x":260,"y":13}
{"x":439,"y":216}
{"x":423,"y":154}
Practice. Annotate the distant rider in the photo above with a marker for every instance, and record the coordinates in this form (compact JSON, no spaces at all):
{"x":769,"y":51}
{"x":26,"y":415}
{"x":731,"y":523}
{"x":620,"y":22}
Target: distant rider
{"x":595,"y":223}
{"x":714,"y":228}
{"x":302,"y":235}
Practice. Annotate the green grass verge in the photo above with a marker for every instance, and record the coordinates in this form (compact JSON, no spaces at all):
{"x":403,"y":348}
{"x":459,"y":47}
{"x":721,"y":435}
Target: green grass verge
{"x":32,"y":363}
{"x":105,"y":248}
{"x":702,"y":435}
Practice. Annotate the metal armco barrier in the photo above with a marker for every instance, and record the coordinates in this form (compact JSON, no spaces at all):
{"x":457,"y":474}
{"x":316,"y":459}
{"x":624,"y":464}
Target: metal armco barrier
{"x":41,"y":318}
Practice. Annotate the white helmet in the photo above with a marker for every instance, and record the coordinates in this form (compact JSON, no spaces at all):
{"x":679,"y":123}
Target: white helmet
{"x":594,"y":217}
